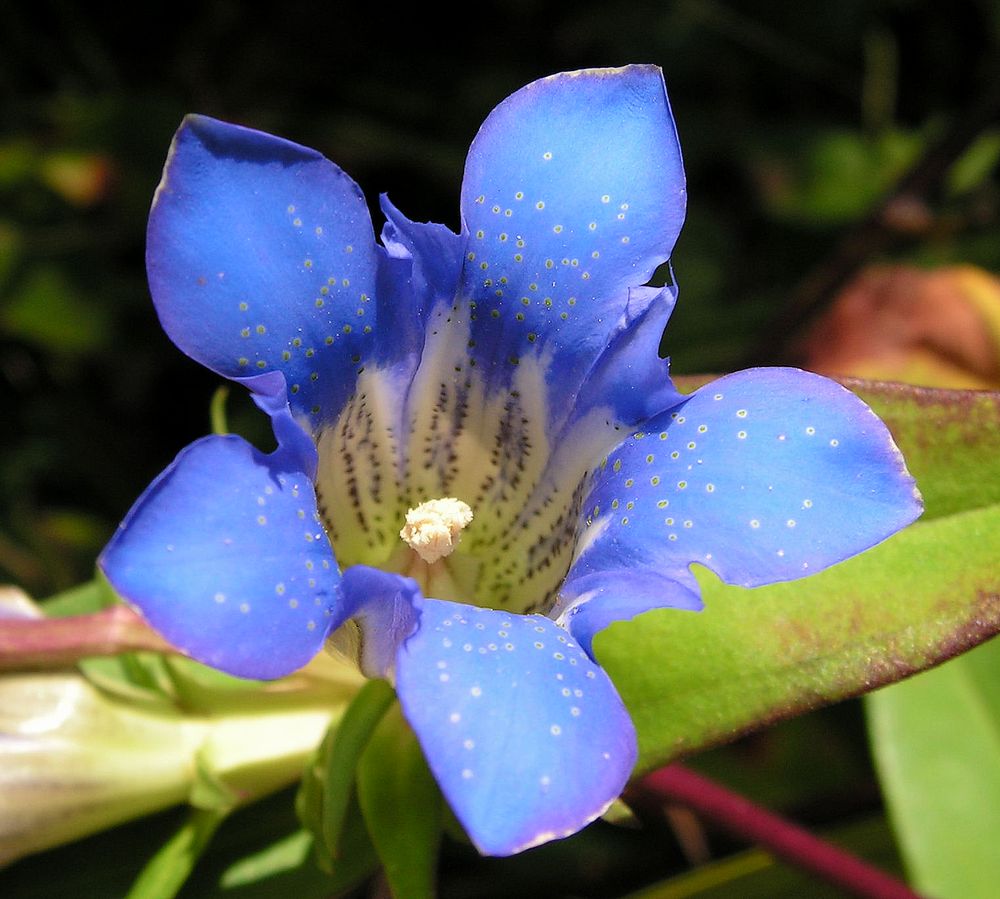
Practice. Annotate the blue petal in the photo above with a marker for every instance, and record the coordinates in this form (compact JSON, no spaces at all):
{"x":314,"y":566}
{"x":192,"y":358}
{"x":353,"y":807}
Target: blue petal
{"x":525,"y":734}
{"x":573,"y":193}
{"x":261,"y":258}
{"x":762,"y":476}
{"x":588,"y":604}
{"x":436,"y":254}
{"x":629,"y":378}
{"x":385,"y":607}
{"x":225,"y":556}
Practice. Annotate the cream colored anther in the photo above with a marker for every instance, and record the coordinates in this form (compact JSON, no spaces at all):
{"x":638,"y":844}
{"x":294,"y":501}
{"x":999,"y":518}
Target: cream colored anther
{"x":433,"y":528}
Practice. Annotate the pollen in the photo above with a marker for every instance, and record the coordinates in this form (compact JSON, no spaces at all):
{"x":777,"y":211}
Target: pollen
{"x":433,"y":528}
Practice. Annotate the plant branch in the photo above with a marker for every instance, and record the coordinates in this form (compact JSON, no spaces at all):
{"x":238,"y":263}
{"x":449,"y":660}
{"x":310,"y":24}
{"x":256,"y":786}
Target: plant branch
{"x":33,"y":643}
{"x":748,"y":821}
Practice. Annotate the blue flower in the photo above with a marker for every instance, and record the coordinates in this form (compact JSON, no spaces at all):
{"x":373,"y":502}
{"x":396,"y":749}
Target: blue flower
{"x":510,"y":370}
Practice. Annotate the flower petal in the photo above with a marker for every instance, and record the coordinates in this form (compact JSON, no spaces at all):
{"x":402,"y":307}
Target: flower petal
{"x":525,"y":734}
{"x":762,"y":476}
{"x":436,"y":254}
{"x":573,"y":193}
{"x":224,"y":555}
{"x":590,"y":603}
{"x":261,"y":257}
{"x":629,"y":378}
{"x":385,"y":608}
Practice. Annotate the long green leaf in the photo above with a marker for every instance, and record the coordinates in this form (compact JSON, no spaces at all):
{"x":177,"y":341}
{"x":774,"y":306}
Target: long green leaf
{"x":692,"y":680}
{"x":936,"y":740}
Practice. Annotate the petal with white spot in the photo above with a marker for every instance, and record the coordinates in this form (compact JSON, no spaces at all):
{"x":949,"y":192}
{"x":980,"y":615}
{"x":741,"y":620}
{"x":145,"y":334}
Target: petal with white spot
{"x":261,"y":258}
{"x":524,"y":732}
{"x":762,"y":476}
{"x":564,"y":213}
{"x":217,"y":557}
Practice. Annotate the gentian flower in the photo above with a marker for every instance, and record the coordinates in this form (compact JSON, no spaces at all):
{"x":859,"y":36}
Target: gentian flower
{"x":481,"y":460}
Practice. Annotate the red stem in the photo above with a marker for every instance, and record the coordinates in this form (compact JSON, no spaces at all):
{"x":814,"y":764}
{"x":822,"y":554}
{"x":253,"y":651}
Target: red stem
{"x":743,"y":819}
{"x":32,"y":643}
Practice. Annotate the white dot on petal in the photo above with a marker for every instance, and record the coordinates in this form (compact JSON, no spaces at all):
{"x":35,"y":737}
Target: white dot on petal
{"x":454,"y":717}
{"x":469,"y":744}
{"x":555,"y":730}
{"x":467,"y":774}
{"x":754,"y":523}
{"x":476,"y":691}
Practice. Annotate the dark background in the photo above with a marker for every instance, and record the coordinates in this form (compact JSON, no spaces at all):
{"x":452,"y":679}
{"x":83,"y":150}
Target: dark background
{"x":794,"y":118}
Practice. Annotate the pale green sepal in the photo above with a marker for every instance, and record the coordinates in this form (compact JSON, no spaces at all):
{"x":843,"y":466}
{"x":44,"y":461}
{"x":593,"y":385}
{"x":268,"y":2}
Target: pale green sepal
{"x":217,"y":410}
{"x":402,"y":806}
{"x":324,"y":799}
{"x":164,"y":875}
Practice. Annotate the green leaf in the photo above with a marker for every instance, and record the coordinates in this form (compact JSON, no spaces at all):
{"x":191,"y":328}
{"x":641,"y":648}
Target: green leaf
{"x":288,"y":868}
{"x":693,"y":680}
{"x":936,"y":740}
{"x":402,"y":807}
{"x":324,"y":798}
{"x":166,"y":872}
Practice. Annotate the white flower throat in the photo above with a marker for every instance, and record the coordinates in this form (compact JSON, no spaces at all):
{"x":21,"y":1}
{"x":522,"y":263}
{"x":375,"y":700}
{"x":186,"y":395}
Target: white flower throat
{"x":424,"y":456}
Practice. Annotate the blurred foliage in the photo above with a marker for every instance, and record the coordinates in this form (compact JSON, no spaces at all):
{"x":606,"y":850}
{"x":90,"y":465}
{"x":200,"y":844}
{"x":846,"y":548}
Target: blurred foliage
{"x":795,"y":120}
